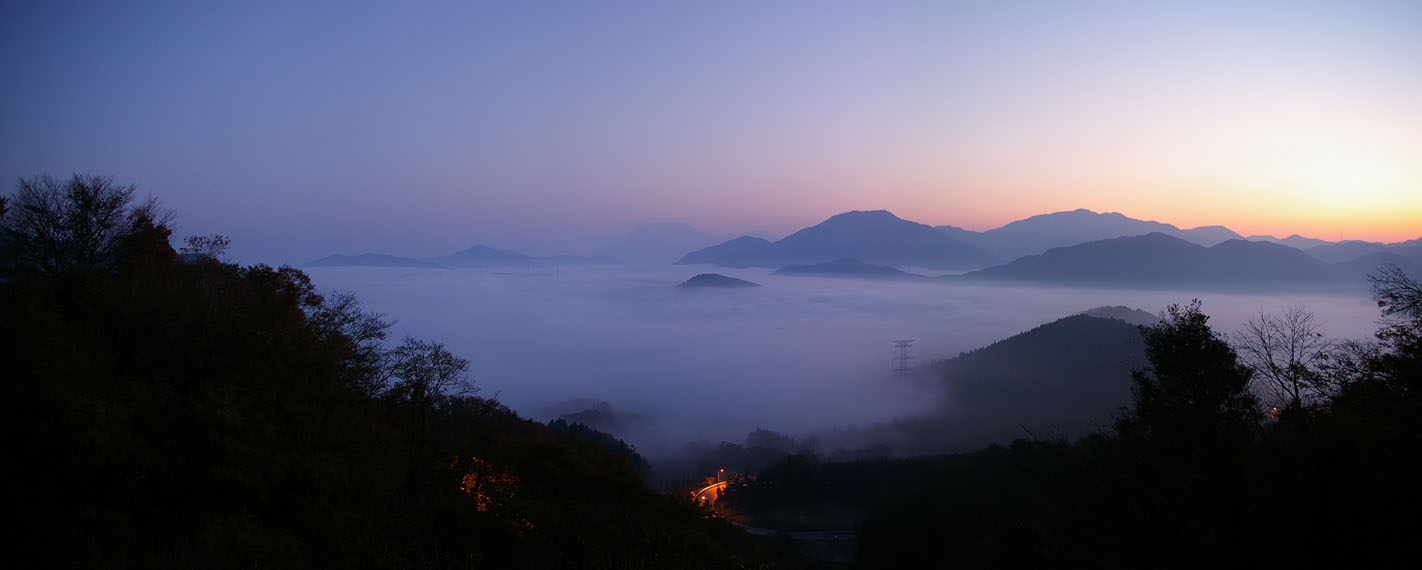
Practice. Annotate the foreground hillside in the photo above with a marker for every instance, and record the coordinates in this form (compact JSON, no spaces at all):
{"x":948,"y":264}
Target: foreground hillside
{"x":171,"y":412}
{"x":1195,"y":471}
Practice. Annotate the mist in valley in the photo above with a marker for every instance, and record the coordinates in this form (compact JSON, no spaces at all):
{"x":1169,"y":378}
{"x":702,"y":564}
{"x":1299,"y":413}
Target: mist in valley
{"x":806,"y":357}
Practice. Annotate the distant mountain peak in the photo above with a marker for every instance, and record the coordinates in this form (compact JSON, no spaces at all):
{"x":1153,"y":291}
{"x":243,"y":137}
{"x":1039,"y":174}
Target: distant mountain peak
{"x":863,"y":217}
{"x":865,"y":214}
{"x":481,"y":248}
{"x":873,"y":236}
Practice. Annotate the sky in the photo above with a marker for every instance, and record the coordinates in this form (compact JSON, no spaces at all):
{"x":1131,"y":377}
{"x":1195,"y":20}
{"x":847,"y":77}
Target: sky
{"x":419,"y":128}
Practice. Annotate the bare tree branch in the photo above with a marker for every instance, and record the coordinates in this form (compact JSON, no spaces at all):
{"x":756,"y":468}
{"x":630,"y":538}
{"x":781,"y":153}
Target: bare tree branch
{"x":1288,"y":355}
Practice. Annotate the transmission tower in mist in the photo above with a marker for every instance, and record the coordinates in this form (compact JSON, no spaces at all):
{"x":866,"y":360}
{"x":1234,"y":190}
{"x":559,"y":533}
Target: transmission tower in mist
{"x":902,"y":358}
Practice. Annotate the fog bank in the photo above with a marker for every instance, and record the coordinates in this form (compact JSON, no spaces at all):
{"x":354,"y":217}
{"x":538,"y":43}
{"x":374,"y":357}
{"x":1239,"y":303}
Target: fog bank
{"x":798,"y":355}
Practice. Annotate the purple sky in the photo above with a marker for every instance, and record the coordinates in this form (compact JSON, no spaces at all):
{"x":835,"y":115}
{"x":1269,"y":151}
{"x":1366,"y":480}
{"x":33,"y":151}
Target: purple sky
{"x":302,"y":129}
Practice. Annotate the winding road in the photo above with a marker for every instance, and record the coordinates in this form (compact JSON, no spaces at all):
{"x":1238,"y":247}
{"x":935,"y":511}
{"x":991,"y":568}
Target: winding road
{"x":709,"y":493}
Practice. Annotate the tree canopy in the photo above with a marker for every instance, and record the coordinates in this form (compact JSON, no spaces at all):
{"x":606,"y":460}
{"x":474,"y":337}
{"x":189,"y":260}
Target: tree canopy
{"x":83,"y":222}
{"x":1194,"y":389}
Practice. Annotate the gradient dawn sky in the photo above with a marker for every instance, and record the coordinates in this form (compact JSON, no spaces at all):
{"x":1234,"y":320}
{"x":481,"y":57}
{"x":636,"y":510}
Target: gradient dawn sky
{"x":410,"y":128}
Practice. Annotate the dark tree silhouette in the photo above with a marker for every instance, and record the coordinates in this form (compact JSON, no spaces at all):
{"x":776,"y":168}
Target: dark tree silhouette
{"x":1400,"y":297}
{"x":1189,"y":434}
{"x":1195,"y":388}
{"x":211,"y":247}
{"x":85,"y":222}
{"x":424,"y":371}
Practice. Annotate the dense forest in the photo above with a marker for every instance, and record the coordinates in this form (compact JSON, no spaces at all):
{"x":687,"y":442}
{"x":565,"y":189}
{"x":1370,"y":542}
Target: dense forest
{"x":167,"y":409}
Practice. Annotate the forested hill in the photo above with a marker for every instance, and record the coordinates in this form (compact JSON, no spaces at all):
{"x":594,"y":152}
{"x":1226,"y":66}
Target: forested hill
{"x":1069,"y":375}
{"x":171,"y":411}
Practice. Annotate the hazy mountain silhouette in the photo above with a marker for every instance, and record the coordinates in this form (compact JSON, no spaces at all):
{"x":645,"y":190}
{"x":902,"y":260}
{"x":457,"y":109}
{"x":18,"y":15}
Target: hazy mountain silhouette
{"x":715,"y":281}
{"x":661,"y":242}
{"x":1159,"y":260}
{"x":1040,"y":233}
{"x":847,"y":267}
{"x":1208,"y":235}
{"x":969,"y":237}
{"x":1125,"y":314}
{"x":1411,"y":249}
{"x":1345,"y":251}
{"x":874,"y":237}
{"x":371,"y":260}
{"x":744,"y":251}
{"x":484,"y":256}
{"x":1369,"y":262}
{"x":1295,"y":241}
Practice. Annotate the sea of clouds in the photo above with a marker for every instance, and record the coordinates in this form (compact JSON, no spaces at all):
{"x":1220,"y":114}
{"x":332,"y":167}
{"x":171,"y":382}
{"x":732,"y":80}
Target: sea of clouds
{"x":799,"y":355}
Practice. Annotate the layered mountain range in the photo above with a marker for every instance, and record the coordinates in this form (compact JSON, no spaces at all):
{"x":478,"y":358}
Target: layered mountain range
{"x":1078,"y":247}
{"x":1041,"y":233}
{"x":1160,"y":260}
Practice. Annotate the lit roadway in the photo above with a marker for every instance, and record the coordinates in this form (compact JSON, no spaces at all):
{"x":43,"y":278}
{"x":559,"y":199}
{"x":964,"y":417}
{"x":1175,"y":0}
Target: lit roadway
{"x":709,"y":493}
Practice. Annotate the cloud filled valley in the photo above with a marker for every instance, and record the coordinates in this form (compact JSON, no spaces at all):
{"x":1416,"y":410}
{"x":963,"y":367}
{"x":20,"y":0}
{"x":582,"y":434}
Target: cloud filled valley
{"x":800,"y":355}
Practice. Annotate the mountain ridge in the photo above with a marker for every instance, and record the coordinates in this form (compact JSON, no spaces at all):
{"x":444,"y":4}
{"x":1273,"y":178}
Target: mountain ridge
{"x":1160,"y":260}
{"x":875,"y":237}
{"x":1039,"y":233}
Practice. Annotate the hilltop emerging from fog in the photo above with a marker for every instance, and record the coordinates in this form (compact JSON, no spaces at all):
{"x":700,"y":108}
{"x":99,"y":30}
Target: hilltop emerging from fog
{"x":715,"y":281}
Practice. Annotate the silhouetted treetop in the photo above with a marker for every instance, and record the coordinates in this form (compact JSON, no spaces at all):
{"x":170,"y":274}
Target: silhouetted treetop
{"x":207,"y":247}
{"x":1194,"y":385}
{"x":84,"y":222}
